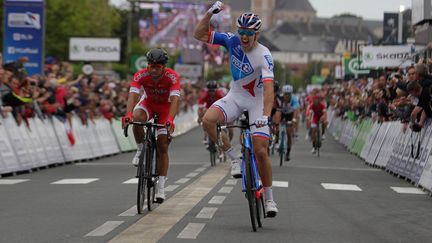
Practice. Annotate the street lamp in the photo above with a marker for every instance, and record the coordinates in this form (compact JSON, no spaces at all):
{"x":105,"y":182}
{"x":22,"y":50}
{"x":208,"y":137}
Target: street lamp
{"x":400,"y":24}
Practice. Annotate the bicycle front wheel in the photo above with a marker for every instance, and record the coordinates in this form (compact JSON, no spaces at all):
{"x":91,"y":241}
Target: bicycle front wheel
{"x":141,"y":184}
{"x":150,"y":185}
{"x":281,"y":149}
{"x":250,"y":188}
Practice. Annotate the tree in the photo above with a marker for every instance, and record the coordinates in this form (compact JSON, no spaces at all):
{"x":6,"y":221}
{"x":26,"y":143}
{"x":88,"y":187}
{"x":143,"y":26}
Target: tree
{"x":281,"y":73}
{"x":79,"y":18}
{"x":313,"y":68}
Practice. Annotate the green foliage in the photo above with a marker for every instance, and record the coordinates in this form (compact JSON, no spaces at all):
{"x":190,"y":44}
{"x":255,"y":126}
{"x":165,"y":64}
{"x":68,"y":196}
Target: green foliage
{"x":313,"y":68}
{"x":78,"y":18}
{"x":281,"y":73}
{"x":121,"y":69}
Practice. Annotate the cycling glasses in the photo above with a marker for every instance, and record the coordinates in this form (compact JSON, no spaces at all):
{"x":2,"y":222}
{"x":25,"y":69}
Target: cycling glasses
{"x":246,"y":32}
{"x":155,"y":65}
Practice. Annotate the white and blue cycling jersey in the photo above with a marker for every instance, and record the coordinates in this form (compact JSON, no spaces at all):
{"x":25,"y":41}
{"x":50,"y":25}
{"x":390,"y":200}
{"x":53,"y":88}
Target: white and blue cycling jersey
{"x":249,"y":70}
{"x":288,"y":107}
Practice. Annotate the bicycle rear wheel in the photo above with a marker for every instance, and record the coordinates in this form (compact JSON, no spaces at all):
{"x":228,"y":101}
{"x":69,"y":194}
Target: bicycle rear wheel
{"x":250,"y":190}
{"x":212,"y":149}
{"x":150,"y":185}
{"x":141,"y":184}
{"x":258,"y":205}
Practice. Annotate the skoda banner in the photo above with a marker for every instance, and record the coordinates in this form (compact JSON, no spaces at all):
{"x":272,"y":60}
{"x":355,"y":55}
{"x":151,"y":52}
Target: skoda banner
{"x":387,"y":56}
{"x":94,"y":49}
{"x":24,"y":23}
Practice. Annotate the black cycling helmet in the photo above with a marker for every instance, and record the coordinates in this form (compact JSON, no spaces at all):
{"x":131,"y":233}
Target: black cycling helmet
{"x":211,"y":85}
{"x":157,"y":56}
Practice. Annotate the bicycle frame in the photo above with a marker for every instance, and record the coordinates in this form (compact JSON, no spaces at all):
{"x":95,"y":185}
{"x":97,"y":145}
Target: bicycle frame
{"x":247,"y":143}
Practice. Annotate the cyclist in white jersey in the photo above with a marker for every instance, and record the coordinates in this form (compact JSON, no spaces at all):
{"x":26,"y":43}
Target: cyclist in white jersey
{"x":251,"y":89}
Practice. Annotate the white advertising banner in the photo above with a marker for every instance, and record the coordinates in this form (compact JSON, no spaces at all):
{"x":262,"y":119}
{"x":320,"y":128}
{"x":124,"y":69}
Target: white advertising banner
{"x":387,"y":56}
{"x":94,"y":49}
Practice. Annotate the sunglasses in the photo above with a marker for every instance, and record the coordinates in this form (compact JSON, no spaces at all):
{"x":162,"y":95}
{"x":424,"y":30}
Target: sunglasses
{"x":246,"y":32}
{"x":155,"y":65}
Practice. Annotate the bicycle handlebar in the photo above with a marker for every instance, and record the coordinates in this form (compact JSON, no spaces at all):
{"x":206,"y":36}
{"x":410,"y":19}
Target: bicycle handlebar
{"x":146,"y":124}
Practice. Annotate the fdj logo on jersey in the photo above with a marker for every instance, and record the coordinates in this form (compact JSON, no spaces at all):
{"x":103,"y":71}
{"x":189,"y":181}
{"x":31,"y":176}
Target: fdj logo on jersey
{"x":269,"y":62}
{"x":246,"y":68}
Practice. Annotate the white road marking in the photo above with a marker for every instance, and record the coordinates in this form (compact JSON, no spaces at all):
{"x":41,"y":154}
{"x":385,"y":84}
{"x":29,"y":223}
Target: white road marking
{"x":342,"y":187}
{"x":171,"y":188}
{"x":232,"y":182}
{"x":334,"y":168}
{"x":206,"y":213}
{"x":76,"y":181}
{"x":182,"y":180}
{"x":280,"y":183}
{"x":206,"y":166}
{"x":407,"y":190}
{"x":217,"y":200}
{"x":105,"y":228}
{"x":130,"y":165}
{"x":201,"y":169}
{"x":192,"y":174}
{"x":226,"y":189}
{"x":168,"y":214}
{"x":131,"y":181}
{"x":130,"y":212}
{"x":12,"y":181}
{"x":191,"y":231}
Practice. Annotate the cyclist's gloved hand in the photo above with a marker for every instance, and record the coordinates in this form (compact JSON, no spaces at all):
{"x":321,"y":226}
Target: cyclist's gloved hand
{"x":216,"y":7}
{"x":262,"y":121}
{"x":171,"y":124}
{"x":127,"y":118}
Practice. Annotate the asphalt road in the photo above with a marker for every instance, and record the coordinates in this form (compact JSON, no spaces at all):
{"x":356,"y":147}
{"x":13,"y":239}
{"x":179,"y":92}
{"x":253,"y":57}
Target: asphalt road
{"x":205,"y":205}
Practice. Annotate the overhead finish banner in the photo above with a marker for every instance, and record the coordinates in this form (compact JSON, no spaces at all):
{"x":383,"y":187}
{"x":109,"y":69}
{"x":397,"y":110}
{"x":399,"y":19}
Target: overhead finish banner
{"x":24,"y":27}
{"x":387,"y":56}
{"x":94,"y":49}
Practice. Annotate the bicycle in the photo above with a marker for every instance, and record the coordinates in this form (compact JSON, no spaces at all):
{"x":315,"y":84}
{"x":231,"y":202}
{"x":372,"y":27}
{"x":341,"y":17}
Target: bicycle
{"x":282,"y":143}
{"x":317,"y":144}
{"x":215,"y":151}
{"x":147,"y":171}
{"x":250,"y":177}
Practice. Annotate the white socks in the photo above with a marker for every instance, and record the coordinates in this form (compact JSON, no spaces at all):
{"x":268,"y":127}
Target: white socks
{"x":162,"y":180}
{"x":268,"y":191}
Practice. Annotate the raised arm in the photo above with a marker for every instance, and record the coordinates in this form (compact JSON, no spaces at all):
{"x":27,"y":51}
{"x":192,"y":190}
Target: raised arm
{"x":201,"y":31}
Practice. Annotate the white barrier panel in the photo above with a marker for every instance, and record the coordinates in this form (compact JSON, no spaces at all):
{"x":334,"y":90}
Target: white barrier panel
{"x":413,"y":146}
{"x":18,"y":143}
{"x":377,"y":143}
{"x":370,"y":140}
{"x":400,"y":165}
{"x":63,"y":140}
{"x":106,"y":137}
{"x":393,"y":131}
{"x":398,"y":151}
{"x":48,"y":140}
{"x":39,"y":155}
{"x":418,"y":165}
{"x":10,"y":161}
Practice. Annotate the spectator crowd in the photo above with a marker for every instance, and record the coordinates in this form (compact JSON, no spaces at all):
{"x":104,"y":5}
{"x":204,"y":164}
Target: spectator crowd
{"x":58,"y":94}
{"x":403,"y":94}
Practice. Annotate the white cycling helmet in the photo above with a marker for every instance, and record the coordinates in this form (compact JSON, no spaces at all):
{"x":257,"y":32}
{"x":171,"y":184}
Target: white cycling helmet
{"x":287,"y":89}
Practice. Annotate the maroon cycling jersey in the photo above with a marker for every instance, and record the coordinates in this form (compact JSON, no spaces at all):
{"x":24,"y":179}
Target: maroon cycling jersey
{"x":207,"y":98}
{"x":160,"y":91}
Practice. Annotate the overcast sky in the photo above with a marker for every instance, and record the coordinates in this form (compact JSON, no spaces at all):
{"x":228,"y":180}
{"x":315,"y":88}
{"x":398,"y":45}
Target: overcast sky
{"x":368,"y":9}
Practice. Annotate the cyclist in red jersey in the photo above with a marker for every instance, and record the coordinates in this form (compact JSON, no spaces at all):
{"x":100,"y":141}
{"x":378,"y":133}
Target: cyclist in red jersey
{"x":317,"y":112}
{"x":161,"y":96}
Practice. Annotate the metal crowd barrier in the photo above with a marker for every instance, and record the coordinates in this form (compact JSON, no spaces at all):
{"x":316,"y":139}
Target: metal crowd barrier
{"x":45,"y":142}
{"x":388,"y":146}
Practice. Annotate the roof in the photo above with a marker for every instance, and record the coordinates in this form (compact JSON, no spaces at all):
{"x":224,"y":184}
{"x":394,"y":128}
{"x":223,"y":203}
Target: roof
{"x":298,"y":5}
{"x":319,"y":35}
